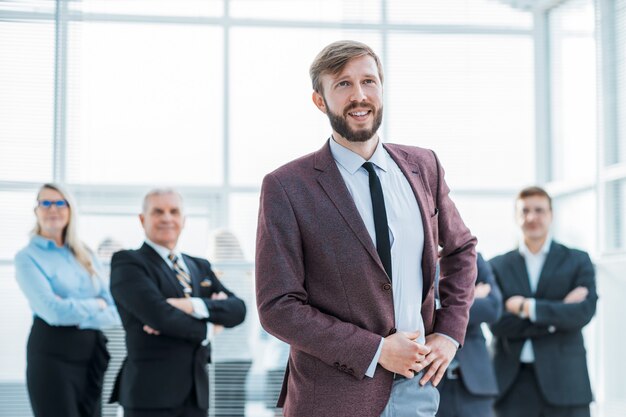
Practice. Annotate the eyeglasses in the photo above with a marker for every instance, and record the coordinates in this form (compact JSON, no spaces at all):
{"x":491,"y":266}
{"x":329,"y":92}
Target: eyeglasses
{"x":46,"y":204}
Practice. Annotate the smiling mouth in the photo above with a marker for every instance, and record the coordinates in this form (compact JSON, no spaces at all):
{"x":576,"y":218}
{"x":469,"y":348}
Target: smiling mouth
{"x":360,"y":114}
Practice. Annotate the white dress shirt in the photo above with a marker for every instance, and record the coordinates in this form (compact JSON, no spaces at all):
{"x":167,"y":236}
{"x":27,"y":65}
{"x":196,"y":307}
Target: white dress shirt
{"x":406,"y":232}
{"x":534,"y":265}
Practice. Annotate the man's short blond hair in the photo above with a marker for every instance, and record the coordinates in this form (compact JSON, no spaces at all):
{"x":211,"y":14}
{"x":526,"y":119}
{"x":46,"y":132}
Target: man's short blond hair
{"x":334,"y":57}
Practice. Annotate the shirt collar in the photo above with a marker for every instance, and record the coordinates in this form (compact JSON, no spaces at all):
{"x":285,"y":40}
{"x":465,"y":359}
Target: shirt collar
{"x":352,"y":161}
{"x":45,"y":243}
{"x":163,"y":251}
{"x":524,"y":251}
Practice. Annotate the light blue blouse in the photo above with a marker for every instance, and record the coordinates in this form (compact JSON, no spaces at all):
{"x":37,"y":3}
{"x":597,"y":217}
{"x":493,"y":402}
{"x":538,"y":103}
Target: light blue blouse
{"x":60,"y":290}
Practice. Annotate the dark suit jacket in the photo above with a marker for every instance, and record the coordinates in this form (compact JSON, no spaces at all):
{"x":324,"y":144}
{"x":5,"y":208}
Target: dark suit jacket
{"x":321,"y":286}
{"x":160,"y":371}
{"x":560,"y":356}
{"x":475,"y":364}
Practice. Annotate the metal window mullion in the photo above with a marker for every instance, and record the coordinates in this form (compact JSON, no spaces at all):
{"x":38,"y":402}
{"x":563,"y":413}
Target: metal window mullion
{"x":607,"y":145}
{"x":301,"y":24}
{"x":226,"y":186}
{"x":543,"y":108}
{"x":607,"y":36}
{"x":59,"y":156}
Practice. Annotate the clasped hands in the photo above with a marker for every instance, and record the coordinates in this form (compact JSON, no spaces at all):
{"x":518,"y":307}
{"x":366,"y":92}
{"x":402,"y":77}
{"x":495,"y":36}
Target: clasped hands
{"x":402,"y":354}
{"x":186,"y":306}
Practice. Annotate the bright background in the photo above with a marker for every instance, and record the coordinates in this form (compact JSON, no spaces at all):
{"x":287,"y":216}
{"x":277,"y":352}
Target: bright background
{"x":114,"y":97}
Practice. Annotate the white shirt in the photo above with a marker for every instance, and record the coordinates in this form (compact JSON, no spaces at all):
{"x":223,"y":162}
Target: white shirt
{"x":200,"y":310}
{"x":406,"y":231}
{"x":534,"y":265}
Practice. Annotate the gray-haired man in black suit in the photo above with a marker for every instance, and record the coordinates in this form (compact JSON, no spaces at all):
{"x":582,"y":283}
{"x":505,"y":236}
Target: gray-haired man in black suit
{"x":170,"y":304}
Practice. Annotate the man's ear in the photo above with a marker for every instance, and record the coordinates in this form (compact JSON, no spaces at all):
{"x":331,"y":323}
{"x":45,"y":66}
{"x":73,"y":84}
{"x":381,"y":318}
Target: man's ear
{"x":318,"y":100}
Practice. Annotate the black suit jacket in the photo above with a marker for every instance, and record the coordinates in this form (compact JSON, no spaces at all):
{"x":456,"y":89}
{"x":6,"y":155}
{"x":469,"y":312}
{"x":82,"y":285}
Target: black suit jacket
{"x":560,"y":356}
{"x":160,"y":371}
{"x":475,"y":364}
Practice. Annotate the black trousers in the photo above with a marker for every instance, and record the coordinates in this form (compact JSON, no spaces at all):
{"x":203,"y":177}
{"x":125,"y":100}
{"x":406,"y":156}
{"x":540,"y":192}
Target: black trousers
{"x":456,"y":401}
{"x":524,"y":399}
{"x":188,"y":409}
{"x":65,"y":370}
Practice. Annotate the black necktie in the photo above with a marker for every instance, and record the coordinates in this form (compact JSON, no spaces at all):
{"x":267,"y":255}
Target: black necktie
{"x":383,"y":247}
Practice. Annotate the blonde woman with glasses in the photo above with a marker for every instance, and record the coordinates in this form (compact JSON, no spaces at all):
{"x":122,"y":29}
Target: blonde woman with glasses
{"x":60,"y":276}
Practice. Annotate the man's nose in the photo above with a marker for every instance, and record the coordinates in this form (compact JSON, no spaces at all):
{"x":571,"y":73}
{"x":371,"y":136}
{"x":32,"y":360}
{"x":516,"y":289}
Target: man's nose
{"x":358,"y":94}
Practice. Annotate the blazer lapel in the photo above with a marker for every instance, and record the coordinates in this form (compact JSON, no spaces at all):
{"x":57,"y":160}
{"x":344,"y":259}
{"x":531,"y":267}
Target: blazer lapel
{"x":410,"y":169}
{"x":553,"y":260}
{"x":521,"y":273}
{"x":195,"y":274}
{"x":334,"y":186}
{"x":170,"y":276}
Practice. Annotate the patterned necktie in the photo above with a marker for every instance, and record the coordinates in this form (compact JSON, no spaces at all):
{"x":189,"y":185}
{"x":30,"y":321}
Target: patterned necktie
{"x":183,"y":277}
{"x":383,"y":246}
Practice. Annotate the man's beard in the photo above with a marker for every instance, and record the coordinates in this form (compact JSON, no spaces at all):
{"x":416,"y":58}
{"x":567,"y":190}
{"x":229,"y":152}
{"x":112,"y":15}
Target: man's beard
{"x":339,"y":123}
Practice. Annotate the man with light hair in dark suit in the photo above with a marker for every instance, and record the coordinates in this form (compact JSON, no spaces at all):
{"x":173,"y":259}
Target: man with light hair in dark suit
{"x":347,"y":253}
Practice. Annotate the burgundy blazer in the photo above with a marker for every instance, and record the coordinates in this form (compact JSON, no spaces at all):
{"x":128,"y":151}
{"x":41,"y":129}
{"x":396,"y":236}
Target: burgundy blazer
{"x":322,"y":288}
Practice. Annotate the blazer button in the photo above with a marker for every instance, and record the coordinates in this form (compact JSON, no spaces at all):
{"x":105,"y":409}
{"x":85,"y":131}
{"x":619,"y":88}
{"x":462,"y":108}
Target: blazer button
{"x":386,"y":286}
{"x":343,"y":367}
{"x":393,"y":330}
{"x":336,"y":364}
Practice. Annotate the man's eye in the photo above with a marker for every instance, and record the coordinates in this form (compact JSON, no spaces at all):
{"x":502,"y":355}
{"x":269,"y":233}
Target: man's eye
{"x":343,"y":84}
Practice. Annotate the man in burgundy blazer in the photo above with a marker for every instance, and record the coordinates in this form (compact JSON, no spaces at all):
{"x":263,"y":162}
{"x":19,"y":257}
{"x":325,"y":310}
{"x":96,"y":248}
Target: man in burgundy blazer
{"x":321,"y":285}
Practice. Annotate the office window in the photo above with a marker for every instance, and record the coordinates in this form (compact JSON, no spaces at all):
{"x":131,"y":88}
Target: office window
{"x":574,"y":222}
{"x":189,"y":8}
{"x":492,"y":220}
{"x":244,"y":209}
{"x":573,"y":90}
{"x":615,"y":229}
{"x":458,"y":12}
{"x":620,"y":79}
{"x":16,"y":221}
{"x":15,"y":320}
{"x":470,"y":99}
{"x":362,"y":11}
{"x":27,"y":100}
{"x":145,"y":104}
